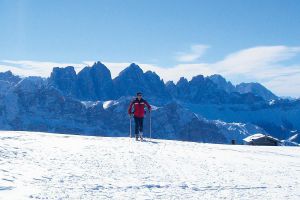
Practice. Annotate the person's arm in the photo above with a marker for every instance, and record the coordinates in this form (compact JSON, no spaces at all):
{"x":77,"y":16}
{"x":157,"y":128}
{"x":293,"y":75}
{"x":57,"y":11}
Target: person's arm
{"x":130,"y":108}
{"x":148,"y":105}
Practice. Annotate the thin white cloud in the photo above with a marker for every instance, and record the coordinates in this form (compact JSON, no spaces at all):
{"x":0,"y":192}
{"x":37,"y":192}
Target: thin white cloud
{"x":44,"y":68}
{"x":16,"y":70}
{"x":174,"y":73}
{"x":285,"y":85}
{"x":256,"y":58}
{"x":195,"y":53}
{"x":35,"y":68}
{"x":263,"y":64}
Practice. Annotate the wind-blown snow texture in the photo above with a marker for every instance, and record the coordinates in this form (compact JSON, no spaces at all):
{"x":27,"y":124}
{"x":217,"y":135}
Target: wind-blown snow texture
{"x":50,"y":166}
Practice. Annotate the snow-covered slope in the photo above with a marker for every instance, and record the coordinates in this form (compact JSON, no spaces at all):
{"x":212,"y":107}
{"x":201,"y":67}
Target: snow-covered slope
{"x":237,"y":131}
{"x":51,"y":166}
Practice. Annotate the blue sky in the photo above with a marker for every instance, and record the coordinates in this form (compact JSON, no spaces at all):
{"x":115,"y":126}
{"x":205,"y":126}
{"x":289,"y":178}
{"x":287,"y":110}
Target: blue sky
{"x":243,"y":40}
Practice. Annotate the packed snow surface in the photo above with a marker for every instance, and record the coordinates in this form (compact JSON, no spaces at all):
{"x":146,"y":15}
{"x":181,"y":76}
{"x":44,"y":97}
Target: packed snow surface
{"x":51,"y":166}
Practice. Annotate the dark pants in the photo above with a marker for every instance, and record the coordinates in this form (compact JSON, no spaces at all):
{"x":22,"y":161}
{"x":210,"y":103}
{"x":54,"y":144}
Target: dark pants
{"x":138,"y":125}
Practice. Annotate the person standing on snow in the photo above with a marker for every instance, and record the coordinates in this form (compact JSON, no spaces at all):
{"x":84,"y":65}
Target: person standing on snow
{"x":138,"y":106}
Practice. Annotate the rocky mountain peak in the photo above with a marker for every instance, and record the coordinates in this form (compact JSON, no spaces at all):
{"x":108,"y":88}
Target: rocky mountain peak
{"x":257,"y":89}
{"x":133,"y":70}
{"x":182,"y":81}
{"x":100,"y":68}
{"x":222,"y":83}
{"x":8,"y":76}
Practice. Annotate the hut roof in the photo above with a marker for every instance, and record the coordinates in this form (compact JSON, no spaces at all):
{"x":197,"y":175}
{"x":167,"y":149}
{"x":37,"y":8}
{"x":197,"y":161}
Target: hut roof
{"x":258,"y":136}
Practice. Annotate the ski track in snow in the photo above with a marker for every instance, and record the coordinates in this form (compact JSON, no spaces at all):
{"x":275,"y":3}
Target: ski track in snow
{"x":57,"y":166}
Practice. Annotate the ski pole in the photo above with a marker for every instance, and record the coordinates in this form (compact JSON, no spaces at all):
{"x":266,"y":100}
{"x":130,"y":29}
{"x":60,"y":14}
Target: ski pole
{"x":150,"y":123}
{"x":130,"y":125}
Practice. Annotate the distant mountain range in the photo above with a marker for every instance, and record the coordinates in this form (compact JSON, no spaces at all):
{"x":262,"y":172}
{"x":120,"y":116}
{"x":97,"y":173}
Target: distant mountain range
{"x":206,"y":109}
{"x":95,"y":83}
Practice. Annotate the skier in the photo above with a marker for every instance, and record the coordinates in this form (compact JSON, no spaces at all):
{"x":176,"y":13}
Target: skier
{"x":138,"y":105}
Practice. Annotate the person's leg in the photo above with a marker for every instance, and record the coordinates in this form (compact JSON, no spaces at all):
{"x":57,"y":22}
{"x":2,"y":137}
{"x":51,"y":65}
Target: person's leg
{"x":141,"y":124}
{"x":141,"y":127}
{"x":136,"y":123}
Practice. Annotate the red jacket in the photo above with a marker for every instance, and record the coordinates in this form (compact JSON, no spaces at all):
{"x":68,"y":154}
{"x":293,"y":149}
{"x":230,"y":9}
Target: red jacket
{"x":138,"y":107}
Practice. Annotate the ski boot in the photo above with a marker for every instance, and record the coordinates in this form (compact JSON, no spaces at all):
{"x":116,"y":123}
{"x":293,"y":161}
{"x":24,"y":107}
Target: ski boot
{"x":141,"y":136}
{"x":136,"y":137}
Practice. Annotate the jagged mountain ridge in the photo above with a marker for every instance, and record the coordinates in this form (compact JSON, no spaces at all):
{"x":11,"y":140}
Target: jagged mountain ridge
{"x":95,"y":83}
